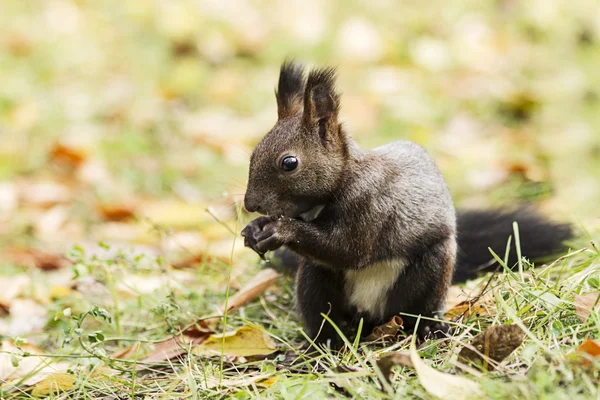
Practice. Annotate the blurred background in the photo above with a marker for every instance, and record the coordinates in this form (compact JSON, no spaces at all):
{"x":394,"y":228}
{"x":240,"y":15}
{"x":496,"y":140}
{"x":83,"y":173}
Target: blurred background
{"x":124,"y":121}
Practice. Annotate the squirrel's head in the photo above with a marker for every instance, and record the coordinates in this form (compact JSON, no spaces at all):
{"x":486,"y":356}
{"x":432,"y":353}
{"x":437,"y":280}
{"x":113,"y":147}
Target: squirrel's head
{"x":299,"y":164}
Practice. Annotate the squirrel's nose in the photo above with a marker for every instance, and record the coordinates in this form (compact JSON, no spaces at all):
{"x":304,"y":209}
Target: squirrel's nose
{"x":251,"y":205}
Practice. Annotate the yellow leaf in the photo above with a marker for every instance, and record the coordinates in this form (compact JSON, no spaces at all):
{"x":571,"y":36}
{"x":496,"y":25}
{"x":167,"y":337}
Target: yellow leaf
{"x":244,"y":342}
{"x":53,"y":384}
{"x":60,"y":292}
{"x":268,"y":382}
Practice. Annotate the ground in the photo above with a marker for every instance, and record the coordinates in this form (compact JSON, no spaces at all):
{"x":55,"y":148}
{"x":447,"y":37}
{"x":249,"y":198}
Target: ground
{"x":125,"y":133}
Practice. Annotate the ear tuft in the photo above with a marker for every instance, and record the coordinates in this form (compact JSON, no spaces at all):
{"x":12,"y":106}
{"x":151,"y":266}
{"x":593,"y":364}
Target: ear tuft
{"x":321,"y":100}
{"x":290,"y":89}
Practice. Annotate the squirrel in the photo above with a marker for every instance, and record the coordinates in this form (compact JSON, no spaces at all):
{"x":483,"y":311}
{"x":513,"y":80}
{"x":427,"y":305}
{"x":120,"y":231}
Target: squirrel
{"x":372,"y":234}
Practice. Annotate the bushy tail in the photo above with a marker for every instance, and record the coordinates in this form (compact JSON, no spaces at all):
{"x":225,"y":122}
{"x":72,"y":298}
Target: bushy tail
{"x":478,"y":230}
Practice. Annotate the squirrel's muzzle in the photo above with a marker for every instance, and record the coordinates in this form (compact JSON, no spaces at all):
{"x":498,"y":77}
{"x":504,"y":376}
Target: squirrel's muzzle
{"x":251,"y":204}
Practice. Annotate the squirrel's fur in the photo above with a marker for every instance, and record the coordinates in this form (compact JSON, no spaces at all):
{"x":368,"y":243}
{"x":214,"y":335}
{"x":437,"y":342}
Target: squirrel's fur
{"x":373,"y":233}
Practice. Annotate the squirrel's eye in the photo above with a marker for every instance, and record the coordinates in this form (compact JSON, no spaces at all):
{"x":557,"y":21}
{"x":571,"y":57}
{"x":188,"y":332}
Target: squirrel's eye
{"x":289,"y":163}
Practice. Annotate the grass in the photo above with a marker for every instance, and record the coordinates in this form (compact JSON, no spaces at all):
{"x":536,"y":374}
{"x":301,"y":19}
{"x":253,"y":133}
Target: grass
{"x":162,"y":103}
{"x":539,"y":300}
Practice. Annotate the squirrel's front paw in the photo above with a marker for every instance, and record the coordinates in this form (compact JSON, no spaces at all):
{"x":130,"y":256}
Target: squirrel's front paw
{"x":273,"y":235}
{"x":251,"y":230}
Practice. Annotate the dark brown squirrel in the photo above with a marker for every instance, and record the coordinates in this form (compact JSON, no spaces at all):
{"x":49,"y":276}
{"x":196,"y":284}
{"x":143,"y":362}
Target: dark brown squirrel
{"x":373,"y":234}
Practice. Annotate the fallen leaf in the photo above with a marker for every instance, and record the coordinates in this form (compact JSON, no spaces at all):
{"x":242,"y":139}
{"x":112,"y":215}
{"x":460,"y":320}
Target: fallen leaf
{"x":26,"y":317}
{"x":254,"y":288}
{"x":67,"y":156}
{"x":247,"y":380}
{"x":126,"y":353}
{"x":202,"y":330}
{"x":387,"y":330}
{"x":116,"y":212}
{"x":267,"y":382}
{"x":198,"y":259}
{"x":199,"y":329}
{"x":469,"y":309}
{"x":172,"y":348}
{"x":243,"y":342}
{"x":53,"y":384}
{"x":589,"y":349}
{"x":494,"y":344}
{"x":398,"y":358}
{"x":44,"y":194}
{"x":37,"y":258}
{"x":455,"y":295}
{"x":443,"y":385}
{"x":468,"y":301}
{"x":584,"y":304}
{"x":175,"y":346}
{"x":26,"y":364}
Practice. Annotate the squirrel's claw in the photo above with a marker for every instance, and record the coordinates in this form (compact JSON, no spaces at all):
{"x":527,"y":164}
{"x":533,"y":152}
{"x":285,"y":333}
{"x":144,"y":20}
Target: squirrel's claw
{"x":251,"y":232}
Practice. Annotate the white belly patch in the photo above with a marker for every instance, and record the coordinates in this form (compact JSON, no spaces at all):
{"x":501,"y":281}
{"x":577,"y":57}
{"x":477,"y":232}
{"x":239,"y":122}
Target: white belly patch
{"x":367,"y":288}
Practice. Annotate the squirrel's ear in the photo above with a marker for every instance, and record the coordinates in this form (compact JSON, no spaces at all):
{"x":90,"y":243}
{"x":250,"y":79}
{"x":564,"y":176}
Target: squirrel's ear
{"x":322,"y":102}
{"x":290,"y":89}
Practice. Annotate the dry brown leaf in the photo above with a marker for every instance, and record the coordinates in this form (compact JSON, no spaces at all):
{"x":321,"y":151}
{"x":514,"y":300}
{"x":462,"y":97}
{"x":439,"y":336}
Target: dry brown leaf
{"x":37,"y":258}
{"x":387,"y":330}
{"x":243,"y":342}
{"x":469,"y":309}
{"x":172,"y":348}
{"x":254,"y":288}
{"x":398,"y":358}
{"x":199,"y":329}
{"x":584,"y":304}
{"x":68,"y":156}
{"x":468,"y":302}
{"x":198,"y":259}
{"x":589,"y":349}
{"x":443,"y":385}
{"x":494,"y":344}
{"x":202,"y":330}
{"x":462,"y":296}
{"x":455,"y":295}
{"x":176,"y":346}
{"x":126,"y":353}
{"x":116,"y":212}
